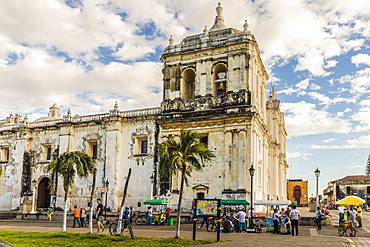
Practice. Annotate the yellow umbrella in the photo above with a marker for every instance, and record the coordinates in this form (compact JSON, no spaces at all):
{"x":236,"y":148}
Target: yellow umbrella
{"x":351,"y":200}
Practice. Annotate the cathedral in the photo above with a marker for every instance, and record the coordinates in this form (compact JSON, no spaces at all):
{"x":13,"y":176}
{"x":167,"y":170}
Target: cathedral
{"x":214,"y":83}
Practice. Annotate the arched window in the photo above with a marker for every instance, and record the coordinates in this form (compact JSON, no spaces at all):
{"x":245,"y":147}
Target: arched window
{"x":297,"y":191}
{"x":188,"y":84}
{"x":220,"y":79}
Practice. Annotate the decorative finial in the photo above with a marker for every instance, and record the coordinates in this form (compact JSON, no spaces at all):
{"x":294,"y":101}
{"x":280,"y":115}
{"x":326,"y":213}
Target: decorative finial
{"x":69,"y":113}
{"x":26,"y":118}
{"x":219,"y":21}
{"x":246,"y":26}
{"x":219,"y":9}
{"x":205,"y":31}
{"x":116,"y":106}
{"x":171,"y":40}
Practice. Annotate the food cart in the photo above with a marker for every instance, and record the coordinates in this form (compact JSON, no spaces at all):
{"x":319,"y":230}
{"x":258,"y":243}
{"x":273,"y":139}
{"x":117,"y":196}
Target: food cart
{"x":269,"y":221}
{"x":159,"y":217}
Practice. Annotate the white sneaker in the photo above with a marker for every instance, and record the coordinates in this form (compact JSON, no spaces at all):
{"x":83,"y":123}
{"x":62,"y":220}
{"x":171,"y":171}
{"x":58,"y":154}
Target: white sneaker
{"x":199,"y":227}
{"x":97,"y":232}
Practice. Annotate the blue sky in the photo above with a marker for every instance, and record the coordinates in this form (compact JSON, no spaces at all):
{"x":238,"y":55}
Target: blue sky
{"x":85,"y":55}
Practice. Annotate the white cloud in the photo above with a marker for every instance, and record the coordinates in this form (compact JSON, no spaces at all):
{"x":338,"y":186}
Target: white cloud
{"x":361,"y":142}
{"x":361,"y":59}
{"x":331,"y":63}
{"x":303,"y":84}
{"x":359,"y":82}
{"x":304,"y":156}
{"x":330,"y":140}
{"x":314,"y":86}
{"x":303,"y":118}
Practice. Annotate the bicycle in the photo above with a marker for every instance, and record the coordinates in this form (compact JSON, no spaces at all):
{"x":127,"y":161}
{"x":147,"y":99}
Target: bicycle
{"x":211,"y":225}
{"x":141,"y":220}
{"x":125,"y":224}
{"x":347,"y":227}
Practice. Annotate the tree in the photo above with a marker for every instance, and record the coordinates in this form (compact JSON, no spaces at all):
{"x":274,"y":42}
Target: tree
{"x":367,"y":168}
{"x":68,"y":165}
{"x":93,"y":171}
{"x":182,"y":158}
{"x":120,"y":216}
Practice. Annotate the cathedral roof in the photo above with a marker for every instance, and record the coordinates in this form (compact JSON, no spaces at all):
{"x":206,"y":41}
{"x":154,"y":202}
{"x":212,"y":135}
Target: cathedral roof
{"x":219,"y":35}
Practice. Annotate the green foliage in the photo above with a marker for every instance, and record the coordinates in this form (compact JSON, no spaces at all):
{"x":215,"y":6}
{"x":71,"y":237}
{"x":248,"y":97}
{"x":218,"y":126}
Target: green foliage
{"x":367,"y":168}
{"x":69,"y":164}
{"x":188,"y":154}
{"x":47,"y":239}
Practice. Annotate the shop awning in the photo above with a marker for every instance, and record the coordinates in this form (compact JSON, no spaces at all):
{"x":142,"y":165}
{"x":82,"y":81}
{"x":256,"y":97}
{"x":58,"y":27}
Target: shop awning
{"x":155,"y":202}
{"x":351,"y":200}
{"x":234,"y":202}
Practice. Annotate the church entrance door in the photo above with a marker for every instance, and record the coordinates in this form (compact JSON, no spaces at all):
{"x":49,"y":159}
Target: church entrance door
{"x":43,"y":194}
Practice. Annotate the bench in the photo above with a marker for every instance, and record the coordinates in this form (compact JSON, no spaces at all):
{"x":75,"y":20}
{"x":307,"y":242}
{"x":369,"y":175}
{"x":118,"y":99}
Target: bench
{"x":32,"y":215}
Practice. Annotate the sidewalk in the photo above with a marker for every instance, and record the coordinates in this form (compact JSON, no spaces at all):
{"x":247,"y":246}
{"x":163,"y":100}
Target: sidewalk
{"x":308,"y":235}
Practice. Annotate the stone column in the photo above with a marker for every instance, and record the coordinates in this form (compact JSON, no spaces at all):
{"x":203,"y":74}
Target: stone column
{"x":228,"y":159}
{"x":242,"y":164}
{"x":115,"y":170}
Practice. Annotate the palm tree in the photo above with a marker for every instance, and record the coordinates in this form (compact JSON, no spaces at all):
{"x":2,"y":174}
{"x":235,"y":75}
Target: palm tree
{"x":93,"y":172}
{"x":68,"y":165}
{"x":183,"y":157}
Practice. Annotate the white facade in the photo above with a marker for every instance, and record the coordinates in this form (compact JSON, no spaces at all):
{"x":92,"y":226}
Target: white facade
{"x":213,"y":83}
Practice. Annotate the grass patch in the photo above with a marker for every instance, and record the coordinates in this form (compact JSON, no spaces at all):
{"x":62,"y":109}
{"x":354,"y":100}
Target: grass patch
{"x":48,"y":239}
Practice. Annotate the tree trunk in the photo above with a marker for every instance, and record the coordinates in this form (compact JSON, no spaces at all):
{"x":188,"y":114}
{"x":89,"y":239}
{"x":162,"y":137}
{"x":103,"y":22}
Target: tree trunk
{"x":119,"y":223}
{"x":56,"y":190}
{"x":91,"y":202}
{"x":178,"y":218}
{"x":64,"y":227}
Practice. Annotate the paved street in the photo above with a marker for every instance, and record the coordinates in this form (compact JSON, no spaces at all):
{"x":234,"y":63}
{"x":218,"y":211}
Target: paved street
{"x":308,"y":235}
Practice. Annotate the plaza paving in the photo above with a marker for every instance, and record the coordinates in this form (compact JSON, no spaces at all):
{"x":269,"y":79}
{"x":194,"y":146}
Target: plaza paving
{"x":308,"y":235}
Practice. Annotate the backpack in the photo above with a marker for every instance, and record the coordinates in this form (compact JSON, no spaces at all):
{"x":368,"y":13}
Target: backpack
{"x":227,"y":226}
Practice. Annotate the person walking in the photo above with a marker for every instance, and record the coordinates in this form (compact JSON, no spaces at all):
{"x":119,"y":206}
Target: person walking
{"x":204,"y":221}
{"x":294,"y":216}
{"x":359,"y":216}
{"x":318,"y":218}
{"x":150,"y":215}
{"x":126,"y":213}
{"x":250,"y":218}
{"x":99,"y":216}
{"x":352,"y":213}
{"x":242,"y":224}
{"x":76,"y":217}
{"x":276,"y":221}
{"x":50,"y":213}
{"x":132,"y":214}
{"x":341,"y":213}
{"x":83,"y":216}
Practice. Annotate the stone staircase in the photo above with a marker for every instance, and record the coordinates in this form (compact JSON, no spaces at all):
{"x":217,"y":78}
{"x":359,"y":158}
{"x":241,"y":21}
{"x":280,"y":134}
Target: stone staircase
{"x":10,"y":215}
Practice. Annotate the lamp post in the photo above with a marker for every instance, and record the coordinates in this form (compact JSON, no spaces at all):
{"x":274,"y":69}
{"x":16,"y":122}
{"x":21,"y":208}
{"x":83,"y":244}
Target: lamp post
{"x":151,"y":186}
{"x":106,"y":198}
{"x":317,"y":174}
{"x":251,"y":173}
{"x":33,"y":196}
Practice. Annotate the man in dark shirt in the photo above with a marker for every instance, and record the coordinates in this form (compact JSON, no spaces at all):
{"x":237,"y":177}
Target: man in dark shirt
{"x":99,"y":216}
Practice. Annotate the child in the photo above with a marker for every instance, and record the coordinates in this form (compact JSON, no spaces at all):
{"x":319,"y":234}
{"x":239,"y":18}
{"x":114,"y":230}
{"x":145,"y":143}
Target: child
{"x":50,"y":213}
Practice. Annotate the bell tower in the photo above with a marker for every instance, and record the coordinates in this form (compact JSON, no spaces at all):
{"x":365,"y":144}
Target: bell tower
{"x":218,"y":69}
